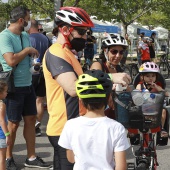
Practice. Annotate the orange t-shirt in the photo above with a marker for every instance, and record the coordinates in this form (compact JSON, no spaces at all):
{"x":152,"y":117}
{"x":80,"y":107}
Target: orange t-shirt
{"x":61,"y":106}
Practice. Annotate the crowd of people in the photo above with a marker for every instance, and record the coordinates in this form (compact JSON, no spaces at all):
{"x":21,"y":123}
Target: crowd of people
{"x":76,"y":101}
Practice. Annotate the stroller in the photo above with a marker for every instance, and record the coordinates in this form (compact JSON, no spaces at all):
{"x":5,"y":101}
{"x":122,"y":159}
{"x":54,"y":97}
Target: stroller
{"x":141,"y":115}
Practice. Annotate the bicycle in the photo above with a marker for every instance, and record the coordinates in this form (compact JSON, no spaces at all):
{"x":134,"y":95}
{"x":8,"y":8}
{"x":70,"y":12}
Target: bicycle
{"x":164,"y":65}
{"x":146,"y":127}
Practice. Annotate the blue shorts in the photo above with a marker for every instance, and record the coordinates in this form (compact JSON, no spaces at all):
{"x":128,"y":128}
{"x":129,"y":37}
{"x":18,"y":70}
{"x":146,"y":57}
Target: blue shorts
{"x":21,"y":103}
{"x":3,"y":143}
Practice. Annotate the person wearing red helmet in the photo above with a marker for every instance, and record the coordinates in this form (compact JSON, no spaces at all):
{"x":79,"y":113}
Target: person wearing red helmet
{"x":61,"y":70}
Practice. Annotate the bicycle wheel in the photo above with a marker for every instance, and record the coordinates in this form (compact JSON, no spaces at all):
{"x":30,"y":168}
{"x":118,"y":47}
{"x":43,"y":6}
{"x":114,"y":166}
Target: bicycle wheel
{"x":134,"y":71}
{"x":164,"y":69}
{"x":142,"y":166}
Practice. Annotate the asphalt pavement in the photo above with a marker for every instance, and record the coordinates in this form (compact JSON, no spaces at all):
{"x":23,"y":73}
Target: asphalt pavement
{"x":45,"y":150}
{"x":43,"y":146}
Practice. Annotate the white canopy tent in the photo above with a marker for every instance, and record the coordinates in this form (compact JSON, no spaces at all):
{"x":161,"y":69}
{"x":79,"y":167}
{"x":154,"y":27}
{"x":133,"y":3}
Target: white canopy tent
{"x":162,"y":33}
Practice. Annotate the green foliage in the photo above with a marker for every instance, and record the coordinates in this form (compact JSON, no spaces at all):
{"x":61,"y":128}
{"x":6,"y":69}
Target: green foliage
{"x":125,"y":11}
{"x":43,"y":7}
{"x":149,"y":12}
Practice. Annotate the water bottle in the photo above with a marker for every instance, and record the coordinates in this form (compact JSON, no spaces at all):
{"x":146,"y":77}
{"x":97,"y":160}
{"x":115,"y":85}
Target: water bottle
{"x":35,"y":69}
{"x":35,"y":63}
{"x":137,"y":97}
{"x":146,"y":95}
{"x":120,"y":88}
{"x":150,"y":107}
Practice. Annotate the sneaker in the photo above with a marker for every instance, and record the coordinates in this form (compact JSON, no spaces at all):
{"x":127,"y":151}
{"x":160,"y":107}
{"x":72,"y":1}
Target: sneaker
{"x":37,"y":163}
{"x":37,"y":124}
{"x":37,"y":132}
{"x":51,"y":168}
{"x":10,"y":164}
{"x":164,"y":133}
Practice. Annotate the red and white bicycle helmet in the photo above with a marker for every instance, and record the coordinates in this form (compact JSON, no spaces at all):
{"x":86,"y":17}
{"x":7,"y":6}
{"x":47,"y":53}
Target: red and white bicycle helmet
{"x":114,"y":39}
{"x":73,"y":16}
{"x":149,"y":67}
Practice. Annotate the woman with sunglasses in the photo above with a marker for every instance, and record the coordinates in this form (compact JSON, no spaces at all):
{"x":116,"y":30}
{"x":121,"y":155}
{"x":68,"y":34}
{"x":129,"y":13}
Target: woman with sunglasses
{"x":113,"y":47}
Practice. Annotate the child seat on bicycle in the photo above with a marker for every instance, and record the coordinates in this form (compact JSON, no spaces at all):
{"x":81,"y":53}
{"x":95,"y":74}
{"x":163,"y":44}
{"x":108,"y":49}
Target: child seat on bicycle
{"x":133,"y":114}
{"x":149,"y":78}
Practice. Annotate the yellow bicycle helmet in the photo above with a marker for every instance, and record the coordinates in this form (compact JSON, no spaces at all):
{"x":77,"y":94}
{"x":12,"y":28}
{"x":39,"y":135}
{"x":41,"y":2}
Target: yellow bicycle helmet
{"x":93,"y":84}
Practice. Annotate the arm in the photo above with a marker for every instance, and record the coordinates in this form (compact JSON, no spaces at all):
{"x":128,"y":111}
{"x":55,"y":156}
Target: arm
{"x":13,"y":59}
{"x":2,"y":118}
{"x":3,"y":123}
{"x":121,"y":78}
{"x":70,"y":156}
{"x":67,"y":81}
{"x":138,"y":87}
{"x":120,"y":160}
{"x":141,"y":52}
{"x":117,"y":78}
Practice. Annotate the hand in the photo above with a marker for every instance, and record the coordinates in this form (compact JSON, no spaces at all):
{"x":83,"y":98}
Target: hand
{"x":121,"y":78}
{"x":8,"y":140}
{"x":155,"y":86}
{"x":33,"y":51}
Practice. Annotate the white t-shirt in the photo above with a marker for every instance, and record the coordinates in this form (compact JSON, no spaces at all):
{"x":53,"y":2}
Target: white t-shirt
{"x":94,"y":141}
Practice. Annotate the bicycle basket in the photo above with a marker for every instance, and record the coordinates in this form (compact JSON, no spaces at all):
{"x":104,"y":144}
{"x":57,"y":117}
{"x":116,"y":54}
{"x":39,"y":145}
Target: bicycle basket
{"x":146,"y":115}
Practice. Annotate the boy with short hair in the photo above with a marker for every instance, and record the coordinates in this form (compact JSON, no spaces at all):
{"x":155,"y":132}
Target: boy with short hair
{"x":94,"y":140}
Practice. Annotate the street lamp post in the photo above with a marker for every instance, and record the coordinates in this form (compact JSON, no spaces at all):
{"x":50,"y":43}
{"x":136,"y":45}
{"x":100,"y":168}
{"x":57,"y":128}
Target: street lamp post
{"x":57,"y":4}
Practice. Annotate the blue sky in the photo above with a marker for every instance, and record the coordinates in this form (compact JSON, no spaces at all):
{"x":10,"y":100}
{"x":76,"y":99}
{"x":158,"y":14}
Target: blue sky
{"x":4,"y":0}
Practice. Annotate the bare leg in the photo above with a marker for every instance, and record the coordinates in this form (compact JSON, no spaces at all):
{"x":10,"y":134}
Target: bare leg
{"x":12,"y":127}
{"x":163,"y":117}
{"x":40,"y":108}
{"x":2,"y":159}
{"x":29,"y":135}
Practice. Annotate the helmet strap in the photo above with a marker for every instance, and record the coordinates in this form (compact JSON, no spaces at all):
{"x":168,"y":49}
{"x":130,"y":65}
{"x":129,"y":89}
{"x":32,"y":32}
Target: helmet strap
{"x":106,"y":54}
{"x":66,"y":36}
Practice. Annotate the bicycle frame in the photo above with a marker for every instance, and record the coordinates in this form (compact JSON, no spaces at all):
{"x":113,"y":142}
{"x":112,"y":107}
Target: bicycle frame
{"x":164,"y":66}
{"x":145,"y":156}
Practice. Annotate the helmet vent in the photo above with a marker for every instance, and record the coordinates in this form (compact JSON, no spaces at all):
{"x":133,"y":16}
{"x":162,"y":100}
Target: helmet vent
{"x":73,"y":18}
{"x":60,"y":14}
{"x":81,"y":17}
{"x":68,"y":11}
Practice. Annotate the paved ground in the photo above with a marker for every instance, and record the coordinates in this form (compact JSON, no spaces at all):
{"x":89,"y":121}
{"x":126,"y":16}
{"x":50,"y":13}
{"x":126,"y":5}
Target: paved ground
{"x":44,"y":149}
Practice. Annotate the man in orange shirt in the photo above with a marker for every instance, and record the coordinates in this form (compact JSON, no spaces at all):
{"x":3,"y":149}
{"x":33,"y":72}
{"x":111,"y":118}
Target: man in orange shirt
{"x":61,"y":70}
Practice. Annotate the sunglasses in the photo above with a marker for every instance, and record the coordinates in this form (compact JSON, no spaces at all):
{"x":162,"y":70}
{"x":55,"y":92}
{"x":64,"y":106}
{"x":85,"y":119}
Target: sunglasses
{"x":40,"y":29}
{"x":80,"y":31}
{"x":114,"y":52}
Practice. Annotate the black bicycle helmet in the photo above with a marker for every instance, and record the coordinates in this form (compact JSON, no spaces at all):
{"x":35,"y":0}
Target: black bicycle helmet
{"x":93,"y":84}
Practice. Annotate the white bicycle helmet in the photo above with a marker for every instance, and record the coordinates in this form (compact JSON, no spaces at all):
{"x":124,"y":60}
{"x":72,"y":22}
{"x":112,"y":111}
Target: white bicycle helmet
{"x":149,"y":67}
{"x":114,"y":39}
{"x":73,"y":16}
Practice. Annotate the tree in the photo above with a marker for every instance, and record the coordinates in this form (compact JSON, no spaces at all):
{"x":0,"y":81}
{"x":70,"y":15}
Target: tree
{"x":124,"y":11}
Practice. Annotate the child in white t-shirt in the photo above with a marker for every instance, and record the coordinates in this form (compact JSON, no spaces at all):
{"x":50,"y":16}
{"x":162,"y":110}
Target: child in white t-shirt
{"x":94,"y":141}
